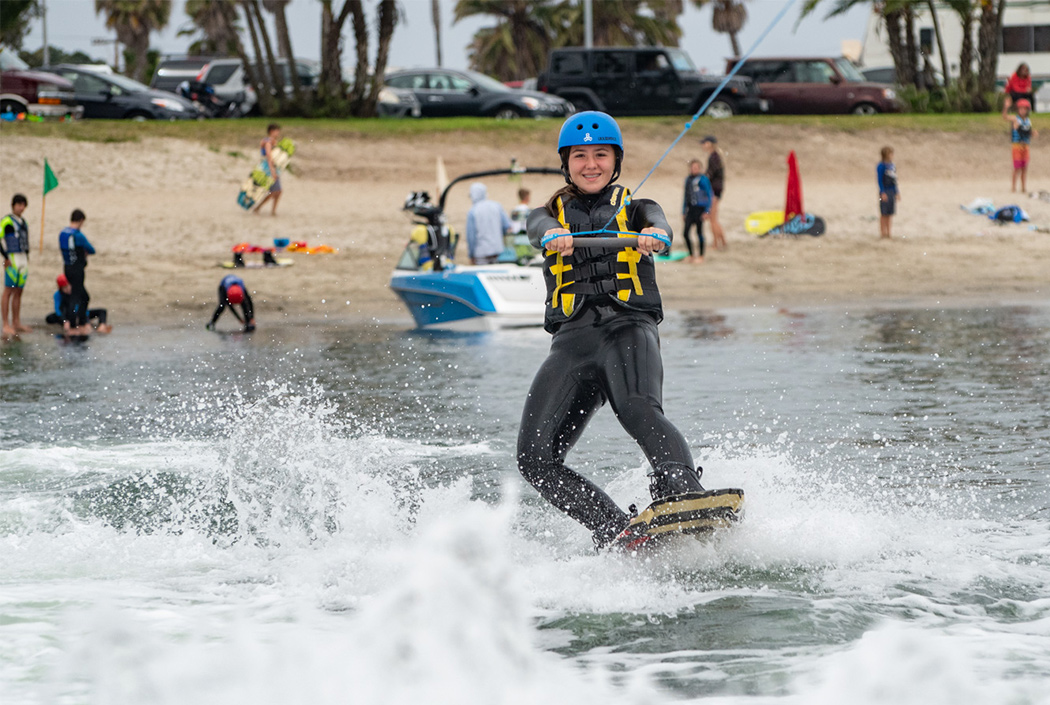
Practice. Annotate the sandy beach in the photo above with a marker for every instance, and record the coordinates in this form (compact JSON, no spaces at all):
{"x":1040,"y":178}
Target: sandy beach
{"x":162,"y":214}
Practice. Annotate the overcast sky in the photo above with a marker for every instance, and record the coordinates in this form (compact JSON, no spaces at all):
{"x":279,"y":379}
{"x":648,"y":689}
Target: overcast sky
{"x":73,"y":24}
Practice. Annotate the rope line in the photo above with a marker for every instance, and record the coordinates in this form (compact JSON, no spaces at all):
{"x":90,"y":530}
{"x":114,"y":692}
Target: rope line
{"x":707,"y":103}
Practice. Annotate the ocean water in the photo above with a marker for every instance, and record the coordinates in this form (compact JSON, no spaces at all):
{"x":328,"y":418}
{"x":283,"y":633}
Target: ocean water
{"x":326,"y":514}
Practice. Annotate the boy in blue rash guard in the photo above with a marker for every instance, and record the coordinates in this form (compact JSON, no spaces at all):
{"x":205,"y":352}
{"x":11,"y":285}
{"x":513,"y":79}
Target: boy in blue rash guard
{"x":602,"y":309}
{"x":232,"y":292}
{"x":75,"y":248}
{"x":889,"y":193}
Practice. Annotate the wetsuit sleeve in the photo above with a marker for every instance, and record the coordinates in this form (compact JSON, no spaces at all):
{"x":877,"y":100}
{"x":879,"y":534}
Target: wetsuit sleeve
{"x":81,"y":241}
{"x":880,"y":172}
{"x":9,"y":231}
{"x":538,"y":223}
{"x":646,"y":213}
{"x":685,"y":196}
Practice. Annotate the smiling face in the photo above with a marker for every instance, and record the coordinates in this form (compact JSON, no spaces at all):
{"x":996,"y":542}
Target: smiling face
{"x":591,"y":167}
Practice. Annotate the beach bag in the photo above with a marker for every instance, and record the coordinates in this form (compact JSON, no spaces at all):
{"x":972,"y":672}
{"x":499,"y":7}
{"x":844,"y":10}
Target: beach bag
{"x":1009,"y":214}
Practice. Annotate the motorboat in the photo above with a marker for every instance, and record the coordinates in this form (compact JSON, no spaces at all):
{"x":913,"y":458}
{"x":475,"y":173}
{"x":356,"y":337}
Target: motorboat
{"x":438,"y":291}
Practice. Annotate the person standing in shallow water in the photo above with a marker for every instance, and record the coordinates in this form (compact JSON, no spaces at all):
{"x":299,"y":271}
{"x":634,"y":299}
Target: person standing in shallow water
{"x":602,"y":310}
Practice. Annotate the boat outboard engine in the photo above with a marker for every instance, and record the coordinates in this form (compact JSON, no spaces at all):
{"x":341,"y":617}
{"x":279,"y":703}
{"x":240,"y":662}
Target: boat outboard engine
{"x":439,"y":248}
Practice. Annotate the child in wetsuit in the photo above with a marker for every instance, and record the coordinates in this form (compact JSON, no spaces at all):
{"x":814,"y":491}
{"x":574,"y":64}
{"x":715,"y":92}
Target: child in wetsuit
{"x":232,"y":292}
{"x":602,"y":309}
{"x":696,"y":203}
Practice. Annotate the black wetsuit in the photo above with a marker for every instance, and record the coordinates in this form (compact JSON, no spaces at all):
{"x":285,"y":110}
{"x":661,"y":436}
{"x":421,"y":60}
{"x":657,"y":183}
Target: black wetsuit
{"x":70,"y":307}
{"x":605,"y":347}
{"x":224,"y":301}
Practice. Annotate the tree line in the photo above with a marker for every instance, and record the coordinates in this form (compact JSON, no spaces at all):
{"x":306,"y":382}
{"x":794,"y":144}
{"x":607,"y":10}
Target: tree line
{"x":513,"y":48}
{"x":974,"y":88}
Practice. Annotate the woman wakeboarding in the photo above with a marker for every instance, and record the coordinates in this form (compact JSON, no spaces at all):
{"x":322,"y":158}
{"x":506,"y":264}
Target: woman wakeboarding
{"x":602,"y":310}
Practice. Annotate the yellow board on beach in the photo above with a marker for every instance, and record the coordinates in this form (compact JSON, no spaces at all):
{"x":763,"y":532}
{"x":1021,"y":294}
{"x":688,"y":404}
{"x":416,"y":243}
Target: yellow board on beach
{"x":761,"y":222}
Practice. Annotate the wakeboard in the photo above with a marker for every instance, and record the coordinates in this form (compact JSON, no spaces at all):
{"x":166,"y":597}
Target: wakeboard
{"x":689,"y":513}
{"x":278,"y":262}
{"x":258,"y":183}
{"x":799,"y":225}
{"x":673,"y":257}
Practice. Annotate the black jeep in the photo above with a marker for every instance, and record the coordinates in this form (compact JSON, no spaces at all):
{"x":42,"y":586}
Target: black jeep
{"x":643,"y":81}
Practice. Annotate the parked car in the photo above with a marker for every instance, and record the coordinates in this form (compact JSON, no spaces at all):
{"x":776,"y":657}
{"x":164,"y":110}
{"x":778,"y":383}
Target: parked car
{"x":817,"y":86}
{"x":444,"y":93}
{"x":115,"y":96}
{"x":23,"y":90}
{"x":642,"y":81}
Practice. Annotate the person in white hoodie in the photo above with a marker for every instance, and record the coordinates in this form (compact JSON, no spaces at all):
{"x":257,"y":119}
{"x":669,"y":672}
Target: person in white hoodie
{"x":487,"y":223}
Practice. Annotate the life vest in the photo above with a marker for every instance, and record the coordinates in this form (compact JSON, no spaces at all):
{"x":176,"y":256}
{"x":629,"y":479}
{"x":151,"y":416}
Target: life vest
{"x":1022,"y":132}
{"x":626,"y":276}
{"x":18,"y":241}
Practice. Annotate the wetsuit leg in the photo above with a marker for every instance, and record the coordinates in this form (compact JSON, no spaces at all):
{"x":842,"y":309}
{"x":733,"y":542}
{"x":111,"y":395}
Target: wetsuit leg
{"x":221,"y":307}
{"x":560,"y":403}
{"x":700,"y":232}
{"x":75,"y":276}
{"x":53,"y":318}
{"x":633,"y":375}
{"x":99,"y":313}
{"x":685,"y":231}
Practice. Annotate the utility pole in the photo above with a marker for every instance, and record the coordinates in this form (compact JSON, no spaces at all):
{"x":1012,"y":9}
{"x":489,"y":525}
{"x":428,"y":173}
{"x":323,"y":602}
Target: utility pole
{"x":588,"y":24}
{"x":116,"y":49}
{"x":43,"y":20}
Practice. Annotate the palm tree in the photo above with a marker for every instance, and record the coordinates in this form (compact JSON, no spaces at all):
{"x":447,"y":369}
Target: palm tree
{"x":624,"y":23}
{"x":727,"y":17}
{"x":133,"y":20}
{"x":284,"y":44}
{"x":220,"y":37}
{"x":517,"y":46}
{"x":435,"y":14}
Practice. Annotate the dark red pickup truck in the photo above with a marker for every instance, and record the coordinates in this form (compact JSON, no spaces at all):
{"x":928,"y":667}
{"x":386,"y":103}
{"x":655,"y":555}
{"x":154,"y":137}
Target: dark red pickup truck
{"x":23,"y":90}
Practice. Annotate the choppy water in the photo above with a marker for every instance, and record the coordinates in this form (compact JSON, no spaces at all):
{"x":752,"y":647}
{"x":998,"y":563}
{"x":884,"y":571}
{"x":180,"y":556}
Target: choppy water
{"x":331,"y":515}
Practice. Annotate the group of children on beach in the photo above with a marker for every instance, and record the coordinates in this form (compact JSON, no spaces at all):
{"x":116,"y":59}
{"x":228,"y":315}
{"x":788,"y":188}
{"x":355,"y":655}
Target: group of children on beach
{"x":71,"y":299}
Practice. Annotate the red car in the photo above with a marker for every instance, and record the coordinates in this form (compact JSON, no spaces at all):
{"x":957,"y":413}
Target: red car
{"x":817,"y":86}
{"x":23,"y":90}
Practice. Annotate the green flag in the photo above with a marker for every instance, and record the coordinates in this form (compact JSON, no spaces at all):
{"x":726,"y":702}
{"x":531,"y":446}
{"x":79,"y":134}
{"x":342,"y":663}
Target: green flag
{"x":50,"y":180}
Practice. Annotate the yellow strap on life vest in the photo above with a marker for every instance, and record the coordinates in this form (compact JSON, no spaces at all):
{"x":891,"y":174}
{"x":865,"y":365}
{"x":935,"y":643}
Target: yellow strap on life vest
{"x":629,"y":255}
{"x":568,"y":301}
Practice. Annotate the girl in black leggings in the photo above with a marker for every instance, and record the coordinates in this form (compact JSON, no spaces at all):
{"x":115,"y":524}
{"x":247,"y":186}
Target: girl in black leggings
{"x":603,"y":307}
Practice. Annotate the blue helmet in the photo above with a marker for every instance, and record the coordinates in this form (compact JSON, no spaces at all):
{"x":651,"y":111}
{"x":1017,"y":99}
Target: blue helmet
{"x":590,"y":127}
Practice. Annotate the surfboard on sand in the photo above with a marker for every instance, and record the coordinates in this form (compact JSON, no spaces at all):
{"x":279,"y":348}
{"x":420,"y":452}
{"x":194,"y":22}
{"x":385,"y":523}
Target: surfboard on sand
{"x":697,"y":513}
{"x":761,"y":222}
{"x":258,"y":183}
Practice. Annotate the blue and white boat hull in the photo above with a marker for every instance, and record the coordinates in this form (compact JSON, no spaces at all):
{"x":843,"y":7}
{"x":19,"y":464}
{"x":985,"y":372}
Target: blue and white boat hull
{"x":502,"y":295}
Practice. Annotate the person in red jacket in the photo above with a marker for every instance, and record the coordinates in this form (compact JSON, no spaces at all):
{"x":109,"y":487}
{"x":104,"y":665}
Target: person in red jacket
{"x":1019,"y":87}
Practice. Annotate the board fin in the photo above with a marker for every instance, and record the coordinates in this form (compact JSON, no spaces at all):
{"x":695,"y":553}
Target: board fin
{"x":689,"y":513}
